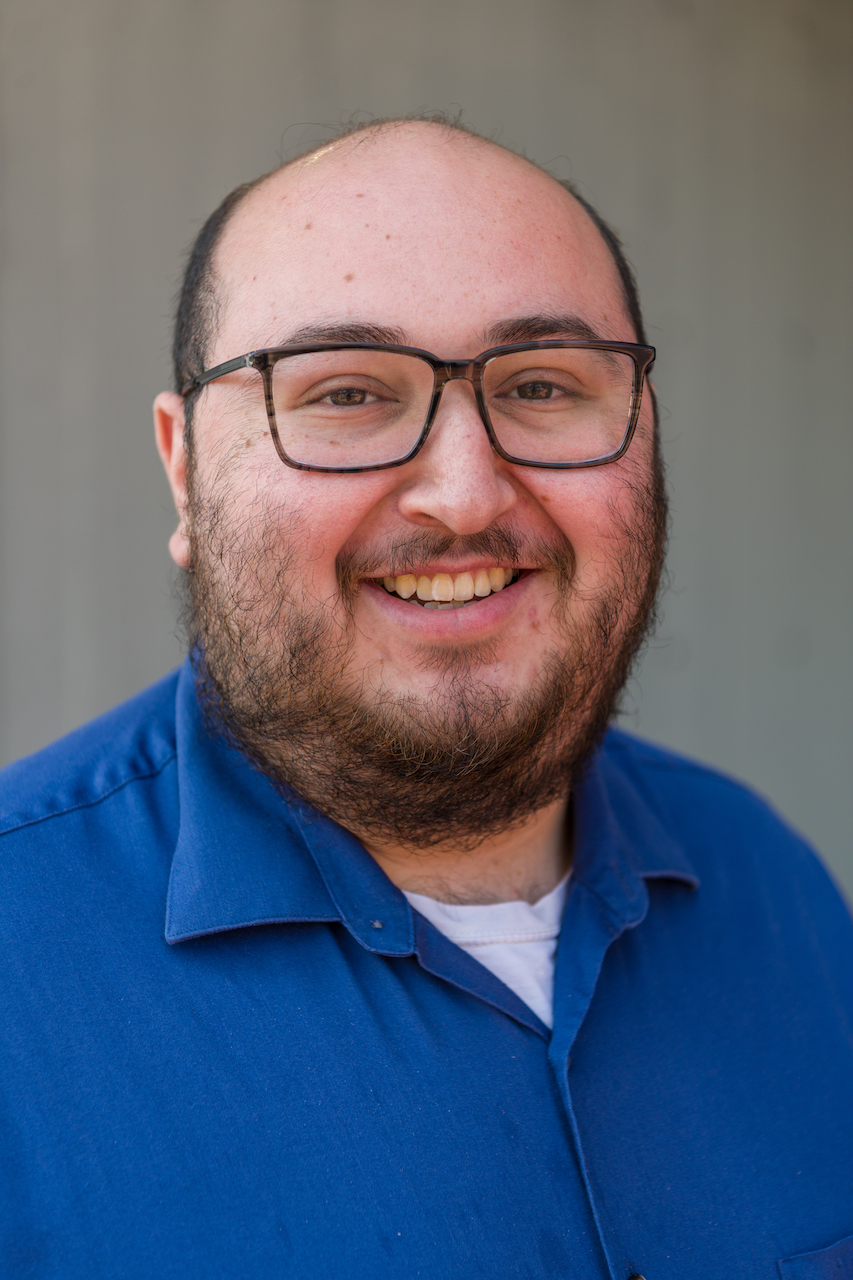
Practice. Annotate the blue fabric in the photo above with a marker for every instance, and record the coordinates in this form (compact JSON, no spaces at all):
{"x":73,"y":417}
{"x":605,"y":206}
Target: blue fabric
{"x":231,"y":1048}
{"x":825,"y":1264}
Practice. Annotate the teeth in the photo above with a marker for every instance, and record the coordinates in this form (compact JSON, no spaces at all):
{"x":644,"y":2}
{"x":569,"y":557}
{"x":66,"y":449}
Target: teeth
{"x":482,"y":585}
{"x":442,"y":587}
{"x":442,"y":591}
{"x":463,"y":587}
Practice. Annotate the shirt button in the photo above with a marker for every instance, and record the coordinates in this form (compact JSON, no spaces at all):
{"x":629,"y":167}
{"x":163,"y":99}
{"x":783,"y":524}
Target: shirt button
{"x":636,"y":1276}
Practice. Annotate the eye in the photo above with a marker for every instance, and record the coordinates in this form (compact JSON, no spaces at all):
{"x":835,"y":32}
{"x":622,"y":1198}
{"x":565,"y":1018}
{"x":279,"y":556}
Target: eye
{"x":347,"y":396}
{"x":538,"y":390}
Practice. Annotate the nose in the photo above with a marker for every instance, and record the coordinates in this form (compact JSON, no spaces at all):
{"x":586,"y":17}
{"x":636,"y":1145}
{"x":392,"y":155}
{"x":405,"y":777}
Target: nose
{"x":457,"y":480}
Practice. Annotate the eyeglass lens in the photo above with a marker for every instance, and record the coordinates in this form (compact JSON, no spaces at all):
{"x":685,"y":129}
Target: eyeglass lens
{"x":362,"y":408}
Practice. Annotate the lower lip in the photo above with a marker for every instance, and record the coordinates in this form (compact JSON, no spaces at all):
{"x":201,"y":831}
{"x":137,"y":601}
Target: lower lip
{"x":474,"y":619}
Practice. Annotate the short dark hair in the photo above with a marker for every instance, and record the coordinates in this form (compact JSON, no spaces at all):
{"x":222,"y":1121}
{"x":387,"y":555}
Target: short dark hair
{"x":196,"y":313}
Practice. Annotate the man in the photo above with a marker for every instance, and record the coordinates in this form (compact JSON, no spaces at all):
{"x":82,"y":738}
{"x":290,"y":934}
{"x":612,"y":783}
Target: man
{"x":412,"y":449}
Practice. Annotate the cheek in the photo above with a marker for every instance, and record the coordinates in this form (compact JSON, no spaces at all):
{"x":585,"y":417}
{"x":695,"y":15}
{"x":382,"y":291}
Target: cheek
{"x":602,"y":511}
{"x":580,"y":503}
{"x":305,"y":518}
{"x":337,"y":512}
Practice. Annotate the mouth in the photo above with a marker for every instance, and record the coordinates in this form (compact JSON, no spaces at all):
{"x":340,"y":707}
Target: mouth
{"x":449,"y":591}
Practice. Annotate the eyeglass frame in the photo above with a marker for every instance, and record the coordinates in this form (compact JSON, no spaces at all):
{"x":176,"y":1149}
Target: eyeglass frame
{"x":444,"y":371}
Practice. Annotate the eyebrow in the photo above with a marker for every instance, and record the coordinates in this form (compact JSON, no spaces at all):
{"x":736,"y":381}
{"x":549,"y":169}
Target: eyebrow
{"x":505,"y":332}
{"x":540,"y":327}
{"x":354,"y":332}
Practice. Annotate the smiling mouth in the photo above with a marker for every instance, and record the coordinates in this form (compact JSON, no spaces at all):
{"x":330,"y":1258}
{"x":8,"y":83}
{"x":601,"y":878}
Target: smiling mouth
{"x":449,"y":591}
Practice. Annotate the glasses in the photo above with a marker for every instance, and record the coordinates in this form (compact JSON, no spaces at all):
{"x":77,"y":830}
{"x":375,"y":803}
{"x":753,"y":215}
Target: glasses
{"x":360,"y":406}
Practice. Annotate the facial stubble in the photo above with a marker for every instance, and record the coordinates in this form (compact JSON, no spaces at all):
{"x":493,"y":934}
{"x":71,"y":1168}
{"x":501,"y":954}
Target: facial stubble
{"x":274,"y":675}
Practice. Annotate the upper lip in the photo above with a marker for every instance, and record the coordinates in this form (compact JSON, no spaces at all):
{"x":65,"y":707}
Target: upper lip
{"x":430,"y":571}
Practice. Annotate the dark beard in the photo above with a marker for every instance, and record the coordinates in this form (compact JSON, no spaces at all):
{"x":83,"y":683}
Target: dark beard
{"x":272,"y":678}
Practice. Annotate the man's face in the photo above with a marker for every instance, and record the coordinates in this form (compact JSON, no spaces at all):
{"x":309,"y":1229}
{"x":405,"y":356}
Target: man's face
{"x":452,"y":246}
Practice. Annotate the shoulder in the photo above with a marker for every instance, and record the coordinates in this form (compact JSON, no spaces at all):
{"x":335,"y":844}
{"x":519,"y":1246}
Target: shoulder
{"x":132,"y":742}
{"x":748,"y":859}
{"x":685,"y":791}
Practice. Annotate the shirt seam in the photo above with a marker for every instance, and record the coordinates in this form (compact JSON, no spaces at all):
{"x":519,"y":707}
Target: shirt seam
{"x":502,"y":939}
{"x":546,"y":931}
{"x":231,"y":926}
{"x":88,"y":804}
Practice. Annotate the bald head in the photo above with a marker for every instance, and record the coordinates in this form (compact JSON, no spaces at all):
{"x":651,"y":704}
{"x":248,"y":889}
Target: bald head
{"x":387,"y":197}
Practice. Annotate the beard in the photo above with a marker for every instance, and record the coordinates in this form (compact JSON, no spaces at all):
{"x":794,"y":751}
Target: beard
{"x":274,"y":676}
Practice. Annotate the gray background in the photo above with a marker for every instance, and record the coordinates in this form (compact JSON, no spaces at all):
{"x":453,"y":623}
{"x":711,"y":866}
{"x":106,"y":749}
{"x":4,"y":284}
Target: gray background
{"x":715,"y":135}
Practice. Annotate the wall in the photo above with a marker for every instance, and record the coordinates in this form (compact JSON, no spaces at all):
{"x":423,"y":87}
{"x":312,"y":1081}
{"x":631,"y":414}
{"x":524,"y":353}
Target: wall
{"x":715,"y":134}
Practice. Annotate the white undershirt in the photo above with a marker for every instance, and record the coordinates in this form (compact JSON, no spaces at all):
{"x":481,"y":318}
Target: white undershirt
{"x":517,"y":941}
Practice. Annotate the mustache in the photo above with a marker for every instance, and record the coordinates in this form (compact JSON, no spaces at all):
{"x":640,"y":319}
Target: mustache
{"x":502,"y":544}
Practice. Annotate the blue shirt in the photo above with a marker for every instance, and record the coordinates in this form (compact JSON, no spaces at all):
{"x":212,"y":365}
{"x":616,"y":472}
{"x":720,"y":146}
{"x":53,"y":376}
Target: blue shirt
{"x":231,"y":1048}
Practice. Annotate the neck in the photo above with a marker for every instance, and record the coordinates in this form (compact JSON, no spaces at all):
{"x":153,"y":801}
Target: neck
{"x":522,"y":864}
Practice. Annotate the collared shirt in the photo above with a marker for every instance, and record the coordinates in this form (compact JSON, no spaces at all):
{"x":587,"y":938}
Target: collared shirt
{"x":300,"y":1076}
{"x":517,"y":941}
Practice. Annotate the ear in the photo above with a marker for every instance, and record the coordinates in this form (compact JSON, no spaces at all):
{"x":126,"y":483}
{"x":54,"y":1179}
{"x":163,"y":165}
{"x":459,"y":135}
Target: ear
{"x":169,"y":426}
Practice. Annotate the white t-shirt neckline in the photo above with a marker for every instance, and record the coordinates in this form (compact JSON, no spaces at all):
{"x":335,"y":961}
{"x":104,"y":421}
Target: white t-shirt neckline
{"x":516,"y":941}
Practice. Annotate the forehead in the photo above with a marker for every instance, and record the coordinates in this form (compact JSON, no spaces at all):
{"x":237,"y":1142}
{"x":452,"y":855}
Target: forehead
{"x":440,"y":236}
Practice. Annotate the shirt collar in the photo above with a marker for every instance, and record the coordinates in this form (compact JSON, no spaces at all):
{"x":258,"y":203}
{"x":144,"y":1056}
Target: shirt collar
{"x":620,"y":841}
{"x":246,"y":855}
